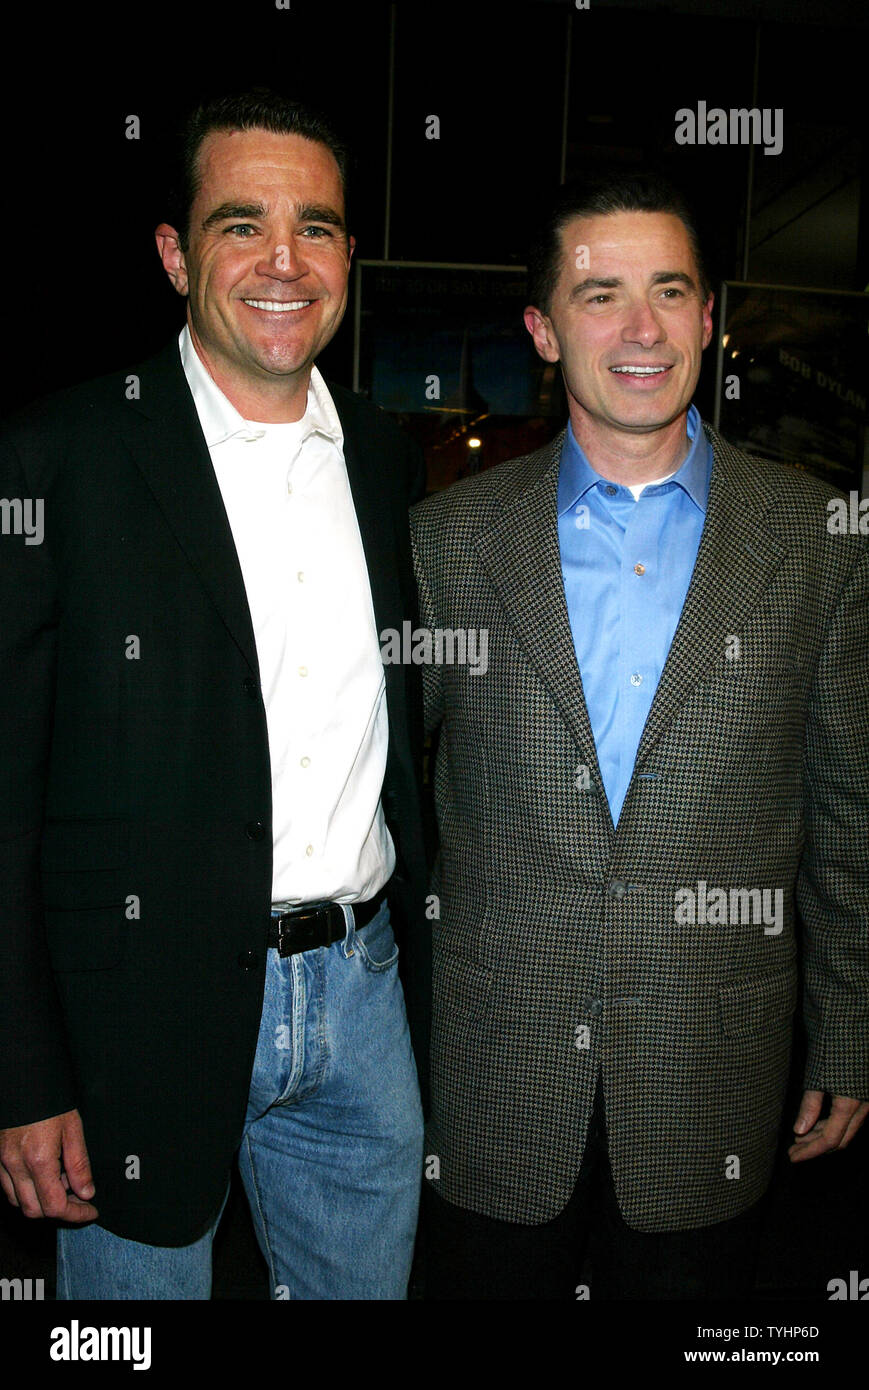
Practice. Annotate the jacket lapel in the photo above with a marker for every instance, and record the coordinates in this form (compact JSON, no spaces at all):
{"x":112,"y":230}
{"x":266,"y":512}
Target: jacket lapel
{"x":736,"y":561}
{"x":521,"y":553}
{"x":169,"y":447}
{"x":375,"y":514}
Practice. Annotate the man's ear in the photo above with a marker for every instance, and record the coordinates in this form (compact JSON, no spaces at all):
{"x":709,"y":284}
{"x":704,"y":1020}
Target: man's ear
{"x":541,"y":330}
{"x":170,"y":253}
{"x":707,"y":321}
{"x":351,"y":247}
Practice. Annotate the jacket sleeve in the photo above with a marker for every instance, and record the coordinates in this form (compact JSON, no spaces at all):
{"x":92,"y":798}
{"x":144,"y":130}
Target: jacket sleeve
{"x":431,"y":671}
{"x":833,"y":879}
{"x":36,"y":1078}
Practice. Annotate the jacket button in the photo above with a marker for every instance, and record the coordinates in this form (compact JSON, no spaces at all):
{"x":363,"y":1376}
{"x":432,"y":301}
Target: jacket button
{"x":248,"y":960}
{"x":248,"y":685}
{"x":595,"y":1007}
{"x":254,"y":830}
{"x":617,"y":888}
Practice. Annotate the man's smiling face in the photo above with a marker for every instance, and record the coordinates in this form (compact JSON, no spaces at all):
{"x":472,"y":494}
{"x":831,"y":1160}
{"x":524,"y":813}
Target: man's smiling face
{"x":267,"y":262}
{"x":629,"y":330}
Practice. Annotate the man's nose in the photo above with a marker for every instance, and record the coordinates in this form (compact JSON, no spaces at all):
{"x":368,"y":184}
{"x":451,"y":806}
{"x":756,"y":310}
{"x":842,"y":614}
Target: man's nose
{"x":642,"y":325}
{"x":284,"y":259}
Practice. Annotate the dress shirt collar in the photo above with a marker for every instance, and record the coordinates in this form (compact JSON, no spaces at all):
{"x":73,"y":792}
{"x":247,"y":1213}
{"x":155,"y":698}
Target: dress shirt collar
{"x":577,"y":476}
{"x":221,"y":421}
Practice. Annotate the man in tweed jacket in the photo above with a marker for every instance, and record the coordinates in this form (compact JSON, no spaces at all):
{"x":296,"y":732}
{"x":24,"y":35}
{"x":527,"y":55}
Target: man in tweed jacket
{"x":662,"y":760}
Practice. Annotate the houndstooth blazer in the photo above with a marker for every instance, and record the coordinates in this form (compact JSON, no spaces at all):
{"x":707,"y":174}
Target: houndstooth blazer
{"x":559,"y":951}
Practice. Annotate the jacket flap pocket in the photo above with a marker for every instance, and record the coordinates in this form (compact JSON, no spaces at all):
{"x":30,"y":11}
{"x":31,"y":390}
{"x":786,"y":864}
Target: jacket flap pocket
{"x":462,"y":985}
{"x":758,"y":1003}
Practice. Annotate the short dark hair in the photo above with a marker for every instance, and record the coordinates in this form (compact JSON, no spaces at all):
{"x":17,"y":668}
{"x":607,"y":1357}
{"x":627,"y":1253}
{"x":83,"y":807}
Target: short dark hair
{"x":258,"y":108}
{"x":599,"y":195}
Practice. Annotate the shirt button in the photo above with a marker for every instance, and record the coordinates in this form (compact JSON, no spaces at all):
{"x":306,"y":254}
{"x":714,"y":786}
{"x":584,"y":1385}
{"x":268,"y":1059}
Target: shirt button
{"x":306,"y":762}
{"x":610,"y":490}
{"x":289,"y":486}
{"x":301,"y":576}
{"x":639,"y":569}
{"x":309,"y":850}
{"x":636,"y":679}
{"x":303,"y":670}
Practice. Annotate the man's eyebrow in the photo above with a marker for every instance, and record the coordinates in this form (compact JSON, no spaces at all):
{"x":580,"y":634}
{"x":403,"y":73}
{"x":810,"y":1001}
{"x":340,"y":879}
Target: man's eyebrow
{"x":595,"y":283}
{"x":308,"y":212}
{"x":665,"y":277}
{"x":320,"y":212}
{"x":230,"y":210}
{"x":661,"y":277}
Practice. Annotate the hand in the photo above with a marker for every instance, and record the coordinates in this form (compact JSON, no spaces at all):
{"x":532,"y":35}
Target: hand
{"x":45,"y":1170}
{"x":824,"y":1136}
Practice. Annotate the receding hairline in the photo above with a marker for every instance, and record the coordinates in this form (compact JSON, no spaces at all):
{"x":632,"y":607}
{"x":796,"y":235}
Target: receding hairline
{"x":698,"y":276}
{"x":337,"y":217}
{"x":260,"y":130}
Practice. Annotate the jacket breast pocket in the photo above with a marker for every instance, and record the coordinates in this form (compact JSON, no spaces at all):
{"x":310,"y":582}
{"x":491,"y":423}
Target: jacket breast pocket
{"x":86,"y":888}
{"x":759,"y":1003}
{"x":756,"y":696}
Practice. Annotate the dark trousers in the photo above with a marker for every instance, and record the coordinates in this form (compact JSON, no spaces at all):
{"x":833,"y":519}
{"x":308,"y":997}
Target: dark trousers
{"x":468,"y":1256}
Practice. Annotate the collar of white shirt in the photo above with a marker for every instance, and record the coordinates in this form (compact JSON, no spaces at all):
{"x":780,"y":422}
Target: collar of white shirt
{"x":221,"y":421}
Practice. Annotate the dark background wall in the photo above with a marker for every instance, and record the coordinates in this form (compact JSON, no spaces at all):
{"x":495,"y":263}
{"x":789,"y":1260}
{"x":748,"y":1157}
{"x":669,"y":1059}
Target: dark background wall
{"x":524,"y":92}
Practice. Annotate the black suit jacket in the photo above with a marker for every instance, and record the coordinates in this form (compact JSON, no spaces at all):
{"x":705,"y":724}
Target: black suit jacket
{"x":135,"y":839}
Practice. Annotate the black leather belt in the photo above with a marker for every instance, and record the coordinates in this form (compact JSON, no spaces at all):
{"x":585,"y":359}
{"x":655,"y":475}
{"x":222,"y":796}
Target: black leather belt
{"x":310,"y":925}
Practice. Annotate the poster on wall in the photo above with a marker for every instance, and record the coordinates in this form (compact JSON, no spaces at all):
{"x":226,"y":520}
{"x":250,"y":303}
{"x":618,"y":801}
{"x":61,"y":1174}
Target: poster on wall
{"x":445,"y":349}
{"x":793,"y":377}
{"x":444,"y":339}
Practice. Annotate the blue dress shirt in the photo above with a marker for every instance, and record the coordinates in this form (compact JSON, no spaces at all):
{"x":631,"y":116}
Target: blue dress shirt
{"x":626,"y":567}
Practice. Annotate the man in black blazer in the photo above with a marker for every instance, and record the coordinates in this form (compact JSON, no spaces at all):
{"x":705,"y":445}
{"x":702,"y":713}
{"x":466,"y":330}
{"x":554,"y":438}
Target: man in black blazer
{"x":209,"y":822}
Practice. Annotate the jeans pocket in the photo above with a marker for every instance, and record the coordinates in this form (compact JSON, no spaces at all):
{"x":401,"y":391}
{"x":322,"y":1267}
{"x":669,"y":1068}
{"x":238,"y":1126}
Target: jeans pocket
{"x":376,"y":943}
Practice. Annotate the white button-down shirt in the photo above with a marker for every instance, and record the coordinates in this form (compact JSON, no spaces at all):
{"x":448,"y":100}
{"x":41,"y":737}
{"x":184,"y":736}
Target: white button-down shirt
{"x":290,"y":509}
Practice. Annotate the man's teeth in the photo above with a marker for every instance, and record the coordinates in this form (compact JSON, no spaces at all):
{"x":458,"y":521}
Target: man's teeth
{"x":274,"y":306}
{"x":639,"y":371}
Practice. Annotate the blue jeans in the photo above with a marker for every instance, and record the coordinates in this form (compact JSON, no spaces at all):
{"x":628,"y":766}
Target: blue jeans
{"x":331,"y":1154}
